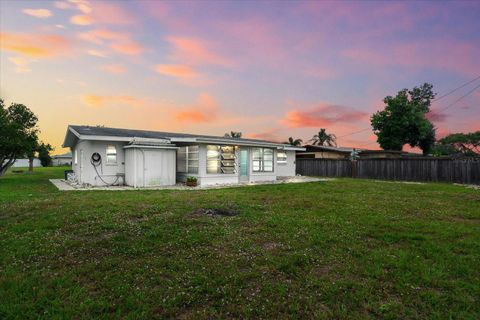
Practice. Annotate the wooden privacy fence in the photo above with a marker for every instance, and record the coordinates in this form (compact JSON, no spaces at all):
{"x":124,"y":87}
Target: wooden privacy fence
{"x":414,"y":169}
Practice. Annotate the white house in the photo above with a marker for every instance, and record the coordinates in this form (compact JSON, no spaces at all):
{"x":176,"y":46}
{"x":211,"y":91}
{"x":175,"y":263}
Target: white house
{"x":139,"y":158}
{"x":62,"y":159}
{"x":25,"y":163}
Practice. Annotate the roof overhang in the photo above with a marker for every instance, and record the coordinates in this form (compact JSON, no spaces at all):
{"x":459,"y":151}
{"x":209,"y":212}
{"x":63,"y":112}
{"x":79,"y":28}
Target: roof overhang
{"x":291,"y":148}
{"x":146,"y":146}
{"x":226,"y":142}
{"x":73,"y":136}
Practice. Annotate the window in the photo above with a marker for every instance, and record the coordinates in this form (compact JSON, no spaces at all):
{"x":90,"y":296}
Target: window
{"x":111,"y":154}
{"x":187,"y":159}
{"x":221,"y":159}
{"x":281,"y":157}
{"x":262,"y":160}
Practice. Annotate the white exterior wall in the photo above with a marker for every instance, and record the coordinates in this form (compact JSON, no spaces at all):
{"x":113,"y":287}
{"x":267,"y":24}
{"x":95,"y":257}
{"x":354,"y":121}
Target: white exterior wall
{"x":205,"y":178}
{"x":287,"y":169}
{"x":149,"y":167}
{"x":84,"y":170}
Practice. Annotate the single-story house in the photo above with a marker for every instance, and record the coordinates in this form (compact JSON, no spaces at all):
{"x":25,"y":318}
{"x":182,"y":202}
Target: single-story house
{"x":325,"y":152}
{"x":62,"y":159}
{"x":140,"y":158}
{"x":25,"y":163}
{"x":386,"y":154}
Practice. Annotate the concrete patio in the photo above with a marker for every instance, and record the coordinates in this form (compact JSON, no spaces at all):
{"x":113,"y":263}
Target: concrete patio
{"x":64,"y":185}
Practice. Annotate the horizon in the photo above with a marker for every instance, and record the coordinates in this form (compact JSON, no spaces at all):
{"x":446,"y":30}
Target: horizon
{"x":270,"y":70}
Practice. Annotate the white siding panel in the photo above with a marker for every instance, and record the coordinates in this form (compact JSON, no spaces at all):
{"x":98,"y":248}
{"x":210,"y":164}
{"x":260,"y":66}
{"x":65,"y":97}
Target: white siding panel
{"x":287,"y":169}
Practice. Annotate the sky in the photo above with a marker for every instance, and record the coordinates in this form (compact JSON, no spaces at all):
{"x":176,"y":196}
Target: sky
{"x":268,"y":69}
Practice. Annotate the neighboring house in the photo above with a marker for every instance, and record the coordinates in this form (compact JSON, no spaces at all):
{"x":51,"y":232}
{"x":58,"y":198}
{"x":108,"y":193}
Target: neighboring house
{"x":386,"y":154}
{"x":142,"y":158}
{"x":24,"y":163}
{"x":324,"y":152}
{"x":62,"y":159}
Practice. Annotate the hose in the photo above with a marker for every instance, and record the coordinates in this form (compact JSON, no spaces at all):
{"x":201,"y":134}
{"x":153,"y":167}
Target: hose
{"x":96,"y":160}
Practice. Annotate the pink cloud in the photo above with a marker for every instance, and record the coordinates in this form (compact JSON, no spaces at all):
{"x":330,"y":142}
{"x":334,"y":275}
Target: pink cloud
{"x":98,"y":36}
{"x":322,"y":115}
{"x":99,"y":101}
{"x":81,"y":20}
{"x":119,"y":42}
{"x":205,"y":110}
{"x":114,"y":69}
{"x":105,"y":12}
{"x":269,"y":135}
{"x":177,"y":71}
{"x":38,"y":13}
{"x":35,"y":45}
{"x":193,"y":51}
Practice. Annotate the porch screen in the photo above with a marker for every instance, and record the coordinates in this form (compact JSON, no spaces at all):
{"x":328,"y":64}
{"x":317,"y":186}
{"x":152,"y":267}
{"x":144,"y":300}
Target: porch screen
{"x":221,"y":159}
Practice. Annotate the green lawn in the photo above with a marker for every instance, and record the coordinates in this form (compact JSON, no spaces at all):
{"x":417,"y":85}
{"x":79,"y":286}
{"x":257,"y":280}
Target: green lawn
{"x":339,"y":249}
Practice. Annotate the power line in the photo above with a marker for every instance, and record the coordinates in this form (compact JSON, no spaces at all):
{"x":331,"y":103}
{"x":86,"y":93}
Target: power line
{"x":457,"y":88}
{"x":461,"y":98}
{"x":355,"y":132}
{"x":436,"y":99}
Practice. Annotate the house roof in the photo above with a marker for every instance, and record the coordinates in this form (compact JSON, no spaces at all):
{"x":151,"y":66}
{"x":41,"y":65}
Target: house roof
{"x":65,"y":155}
{"x":314,"y":148}
{"x":130,"y":135}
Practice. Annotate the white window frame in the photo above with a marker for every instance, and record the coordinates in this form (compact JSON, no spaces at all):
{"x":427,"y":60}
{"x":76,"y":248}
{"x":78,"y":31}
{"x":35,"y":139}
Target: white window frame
{"x":282,"y":160}
{"x":188,"y":158}
{"x":261,"y":161}
{"x":109,"y":153}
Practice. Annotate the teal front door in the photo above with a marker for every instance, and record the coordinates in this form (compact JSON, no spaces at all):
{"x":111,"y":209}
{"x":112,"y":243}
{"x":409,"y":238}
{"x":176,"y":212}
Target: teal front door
{"x":244,"y":165}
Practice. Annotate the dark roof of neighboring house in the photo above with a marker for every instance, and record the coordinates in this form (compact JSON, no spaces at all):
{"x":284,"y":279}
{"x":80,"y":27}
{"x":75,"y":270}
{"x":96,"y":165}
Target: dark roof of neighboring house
{"x":117,"y":132}
{"x":65,"y":155}
{"x":313,"y":148}
{"x":404,"y":153}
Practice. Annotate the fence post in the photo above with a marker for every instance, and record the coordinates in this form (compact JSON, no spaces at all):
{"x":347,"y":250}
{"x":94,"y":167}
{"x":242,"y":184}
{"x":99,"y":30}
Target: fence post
{"x":354,"y":169}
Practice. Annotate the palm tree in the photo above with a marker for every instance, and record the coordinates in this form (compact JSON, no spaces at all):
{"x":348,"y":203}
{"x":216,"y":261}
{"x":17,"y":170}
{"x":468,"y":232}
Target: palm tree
{"x":322,"y":138}
{"x":294,"y":142}
{"x":233,"y":134}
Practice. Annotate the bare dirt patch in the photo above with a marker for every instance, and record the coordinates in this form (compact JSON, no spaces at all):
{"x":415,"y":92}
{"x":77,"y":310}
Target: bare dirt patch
{"x":215,"y":212}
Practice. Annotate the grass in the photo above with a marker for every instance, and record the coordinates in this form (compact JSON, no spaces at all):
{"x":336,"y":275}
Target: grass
{"x":349,"y":249}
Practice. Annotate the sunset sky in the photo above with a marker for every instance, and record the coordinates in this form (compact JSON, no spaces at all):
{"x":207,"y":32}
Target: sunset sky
{"x":268,"y":69}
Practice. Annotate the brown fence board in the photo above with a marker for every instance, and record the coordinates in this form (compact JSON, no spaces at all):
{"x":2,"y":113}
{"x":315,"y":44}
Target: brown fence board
{"x":411,"y":169}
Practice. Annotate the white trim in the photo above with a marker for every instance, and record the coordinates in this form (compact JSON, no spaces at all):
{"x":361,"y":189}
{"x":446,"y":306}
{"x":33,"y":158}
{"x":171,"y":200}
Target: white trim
{"x":74,"y":132}
{"x":139,"y":146}
{"x":237,"y":142}
{"x":292,"y":148}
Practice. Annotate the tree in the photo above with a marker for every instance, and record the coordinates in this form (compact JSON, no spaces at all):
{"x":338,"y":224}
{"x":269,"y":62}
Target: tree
{"x":233,"y":134}
{"x":467,"y":144}
{"x":44,"y":154}
{"x":294,"y":142}
{"x":322,"y":138}
{"x":18,"y":133}
{"x":403,"y":120}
